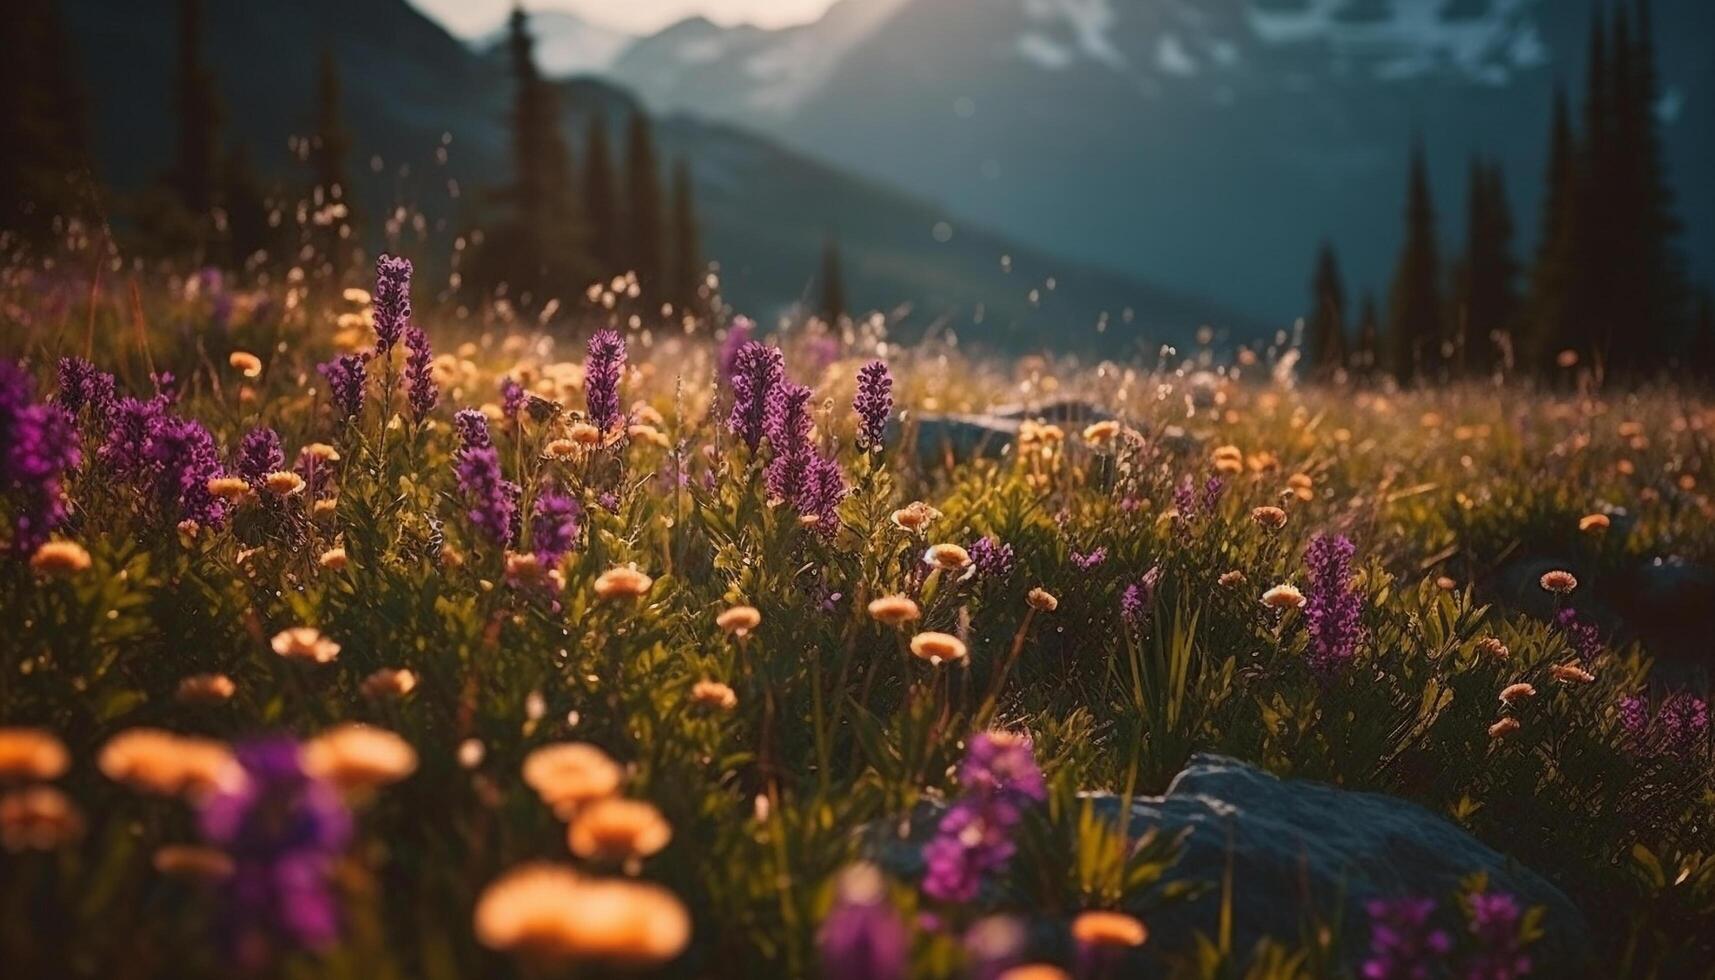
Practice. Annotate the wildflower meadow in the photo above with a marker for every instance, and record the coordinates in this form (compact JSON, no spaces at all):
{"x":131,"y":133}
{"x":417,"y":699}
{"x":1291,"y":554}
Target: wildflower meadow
{"x":351,"y":632}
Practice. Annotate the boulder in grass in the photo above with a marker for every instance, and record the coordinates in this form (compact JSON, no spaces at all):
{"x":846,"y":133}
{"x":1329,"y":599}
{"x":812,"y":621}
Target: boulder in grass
{"x":1297,"y":847}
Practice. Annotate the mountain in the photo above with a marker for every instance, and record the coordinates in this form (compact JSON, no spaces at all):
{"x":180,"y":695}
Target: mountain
{"x":429,"y":120}
{"x":566,"y":44}
{"x":1208,"y":143}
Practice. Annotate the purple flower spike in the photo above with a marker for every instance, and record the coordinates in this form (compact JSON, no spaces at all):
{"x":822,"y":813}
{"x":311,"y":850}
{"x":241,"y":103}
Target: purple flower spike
{"x":38,"y":447}
{"x":1404,"y":944}
{"x":757,"y":371}
{"x":492,"y":500}
{"x":975,"y":837}
{"x":604,"y":367}
{"x":284,"y":831}
{"x":259,"y":454}
{"x":420,"y":389}
{"x":346,"y":375}
{"x":554,"y":526}
{"x":863,"y":938}
{"x":392,"y":301}
{"x":1333,"y":612}
{"x":873,"y":404}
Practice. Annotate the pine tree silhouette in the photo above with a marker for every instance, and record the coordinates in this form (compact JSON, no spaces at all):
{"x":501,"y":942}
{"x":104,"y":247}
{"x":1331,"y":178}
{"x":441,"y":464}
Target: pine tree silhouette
{"x":1552,"y":271}
{"x":43,"y":168}
{"x":685,"y":269}
{"x":833,"y":307}
{"x":1325,"y":330}
{"x":335,"y":233}
{"x":1363,"y":361}
{"x":643,"y":217}
{"x":1414,"y":302}
{"x":1486,"y":278}
{"x":1661,"y":286}
{"x":197,"y":164}
{"x":601,"y":200}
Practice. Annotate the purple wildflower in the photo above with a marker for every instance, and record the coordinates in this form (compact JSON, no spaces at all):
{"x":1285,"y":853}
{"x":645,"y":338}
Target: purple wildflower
{"x":127,"y":433}
{"x":492,"y":500}
{"x":511,"y":398}
{"x":1139,"y":598}
{"x":1090,"y":560}
{"x":873,"y":404}
{"x":259,"y":454}
{"x":38,"y":446}
{"x":472,"y":428}
{"x":787,"y":425}
{"x":420,"y":389}
{"x":1494,"y":920}
{"x":738,"y":335}
{"x":345,"y":375}
{"x":1185,"y":500}
{"x":1634,"y":713}
{"x":82,"y":386}
{"x":863,"y":938}
{"x":1583,"y":635}
{"x":1404,"y":944}
{"x":824,"y":488}
{"x":975,"y":837}
{"x":284,"y":831}
{"x":1210,"y":497}
{"x":757,"y":371}
{"x":1333,"y":611}
{"x":1683,"y":720}
{"x":604,"y":366}
{"x":182,"y":457}
{"x":554,"y":526}
{"x":608,"y":501}
{"x":392,"y":301}
{"x":992,"y":557}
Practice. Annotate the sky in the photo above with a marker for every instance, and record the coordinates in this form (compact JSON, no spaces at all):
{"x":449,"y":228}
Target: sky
{"x":474,"y":17}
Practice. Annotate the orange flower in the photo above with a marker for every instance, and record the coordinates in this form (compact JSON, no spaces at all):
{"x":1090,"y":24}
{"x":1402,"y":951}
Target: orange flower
{"x":584,"y":434}
{"x":358,"y":757}
{"x":915,"y":516}
{"x":191,"y":861}
{"x":713,"y":695}
{"x":1559,"y":582}
{"x":284,"y":483}
{"x":38,"y":818}
{"x":228,"y":488}
{"x":1504,"y":727}
{"x":1272,"y":518}
{"x":206,"y":689}
{"x":333,"y":559}
{"x":1594,"y":522}
{"x":245,"y":363}
{"x":894,"y":610}
{"x":31,"y":753}
{"x":1034,"y":971}
{"x":389,"y":682}
{"x":1571,"y":674}
{"x":739,"y":620}
{"x":1491,"y":646}
{"x":1231,"y":579}
{"x":947,"y":557}
{"x":548,"y":914}
{"x":1284,"y":596}
{"x":305,"y":643}
{"x":1042,"y":600}
{"x":1517,"y":692}
{"x":1101,"y":433}
{"x":60,"y":558}
{"x":623,"y":582}
{"x":569,"y":775}
{"x":150,"y":760}
{"x":1108,"y":930}
{"x":938,"y":648}
{"x":321,"y":452}
{"x":618,"y":830}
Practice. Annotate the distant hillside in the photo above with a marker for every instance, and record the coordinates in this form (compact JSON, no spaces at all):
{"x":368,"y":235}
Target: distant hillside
{"x":1210,"y":143}
{"x":412,"y":89}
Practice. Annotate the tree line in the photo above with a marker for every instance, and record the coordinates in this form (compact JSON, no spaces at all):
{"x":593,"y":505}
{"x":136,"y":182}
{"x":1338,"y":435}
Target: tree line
{"x":1606,"y":291}
{"x":550,"y":230}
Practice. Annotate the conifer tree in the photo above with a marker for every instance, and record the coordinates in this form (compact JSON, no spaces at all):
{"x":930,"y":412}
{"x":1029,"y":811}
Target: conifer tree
{"x":643,"y":217}
{"x":1414,"y":301}
{"x":1659,"y":290}
{"x":1325,"y":331}
{"x":45,"y":156}
{"x":329,"y":149}
{"x":540,"y":250}
{"x":1485,"y":282}
{"x":1363,"y":362}
{"x":197,"y":164}
{"x":833,"y":307}
{"x":685,"y":268}
{"x":1588,"y":304}
{"x":601,"y":200}
{"x":245,"y":205}
{"x":1552,"y":271}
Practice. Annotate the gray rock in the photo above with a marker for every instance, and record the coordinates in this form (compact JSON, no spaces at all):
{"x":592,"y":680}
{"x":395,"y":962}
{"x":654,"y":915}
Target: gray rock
{"x":1298,"y":846}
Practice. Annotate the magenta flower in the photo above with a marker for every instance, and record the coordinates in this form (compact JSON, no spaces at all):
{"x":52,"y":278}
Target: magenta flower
{"x":757,"y":371}
{"x":873,"y":404}
{"x":421,"y":392}
{"x":392,"y":301}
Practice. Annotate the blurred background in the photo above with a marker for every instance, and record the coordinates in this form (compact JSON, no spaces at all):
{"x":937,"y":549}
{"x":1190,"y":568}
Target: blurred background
{"x":1419,"y":187}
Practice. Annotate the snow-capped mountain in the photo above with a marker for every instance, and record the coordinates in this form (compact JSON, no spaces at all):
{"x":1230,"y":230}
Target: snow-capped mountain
{"x":1208,"y":143}
{"x":566,"y":44}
